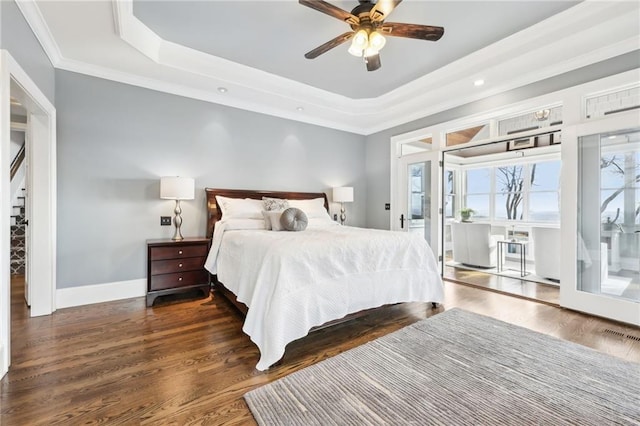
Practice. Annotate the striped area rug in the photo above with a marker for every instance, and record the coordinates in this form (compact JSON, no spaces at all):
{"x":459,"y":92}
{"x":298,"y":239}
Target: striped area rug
{"x":457,"y":368}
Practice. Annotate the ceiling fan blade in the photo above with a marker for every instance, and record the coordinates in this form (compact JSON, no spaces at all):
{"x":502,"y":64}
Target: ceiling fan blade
{"x":329,"y":45}
{"x":331,"y":10}
{"x":373,"y":62}
{"x":382,"y":9}
{"x":422,"y":32}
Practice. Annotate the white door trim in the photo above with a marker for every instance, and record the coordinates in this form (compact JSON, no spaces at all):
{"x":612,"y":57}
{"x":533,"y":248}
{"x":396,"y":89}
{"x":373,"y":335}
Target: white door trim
{"x":43,"y":193}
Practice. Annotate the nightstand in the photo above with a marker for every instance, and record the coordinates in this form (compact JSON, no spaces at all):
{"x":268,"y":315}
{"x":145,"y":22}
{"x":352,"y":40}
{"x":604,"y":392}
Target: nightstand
{"x":176,"y":267}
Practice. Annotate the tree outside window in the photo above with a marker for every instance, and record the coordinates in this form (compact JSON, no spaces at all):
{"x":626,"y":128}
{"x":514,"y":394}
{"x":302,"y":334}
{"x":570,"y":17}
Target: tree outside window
{"x":620,"y":176}
{"x":509,"y":182}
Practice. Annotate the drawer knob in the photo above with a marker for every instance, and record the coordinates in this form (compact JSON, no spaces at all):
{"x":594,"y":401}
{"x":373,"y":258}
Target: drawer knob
{"x":180,"y":252}
{"x":179,"y":278}
{"x":179,"y":265}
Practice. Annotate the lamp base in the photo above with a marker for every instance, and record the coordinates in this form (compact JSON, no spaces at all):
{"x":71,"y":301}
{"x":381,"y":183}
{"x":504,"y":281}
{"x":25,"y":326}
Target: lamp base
{"x":343,"y":215}
{"x":177,"y":221}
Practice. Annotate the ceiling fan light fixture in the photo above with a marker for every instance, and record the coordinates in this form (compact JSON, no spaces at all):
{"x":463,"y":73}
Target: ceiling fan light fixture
{"x":360,"y":40}
{"x":370,"y":51}
{"x":377,"y":40}
{"x":364,"y":21}
{"x":355,"y":51}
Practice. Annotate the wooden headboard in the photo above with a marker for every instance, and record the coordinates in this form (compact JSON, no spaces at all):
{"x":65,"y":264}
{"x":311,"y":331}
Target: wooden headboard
{"x":214,"y":214}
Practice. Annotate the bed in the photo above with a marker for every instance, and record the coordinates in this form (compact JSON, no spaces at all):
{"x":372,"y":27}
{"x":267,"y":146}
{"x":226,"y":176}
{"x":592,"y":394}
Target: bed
{"x":288,"y":283}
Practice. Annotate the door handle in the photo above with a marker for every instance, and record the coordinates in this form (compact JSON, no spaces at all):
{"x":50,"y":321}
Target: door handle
{"x":402,"y":221}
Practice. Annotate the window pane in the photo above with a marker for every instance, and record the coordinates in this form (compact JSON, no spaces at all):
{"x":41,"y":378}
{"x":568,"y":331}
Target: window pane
{"x":544,"y":207}
{"x":478,"y":181}
{"x":480,"y":204}
{"x":545,"y":176}
{"x":638,"y":205}
{"x":416,"y":171}
{"x":509,"y":206}
{"x":450,"y":206}
{"x":467,"y":135}
{"x":612,"y":171}
{"x":509,"y":179}
{"x":613,"y":204}
{"x":529,"y":121}
{"x":449,"y":182}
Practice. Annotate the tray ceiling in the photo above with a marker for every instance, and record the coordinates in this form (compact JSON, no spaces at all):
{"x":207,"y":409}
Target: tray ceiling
{"x":254,"y":50}
{"x":273,"y":36}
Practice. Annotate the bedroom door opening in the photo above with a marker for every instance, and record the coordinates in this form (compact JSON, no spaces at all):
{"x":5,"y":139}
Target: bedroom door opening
{"x":41,"y":183}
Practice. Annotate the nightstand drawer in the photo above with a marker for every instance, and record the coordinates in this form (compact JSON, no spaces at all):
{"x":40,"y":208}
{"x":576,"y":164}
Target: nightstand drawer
{"x":194,"y":250}
{"x":180,"y":279}
{"x":176,"y":265}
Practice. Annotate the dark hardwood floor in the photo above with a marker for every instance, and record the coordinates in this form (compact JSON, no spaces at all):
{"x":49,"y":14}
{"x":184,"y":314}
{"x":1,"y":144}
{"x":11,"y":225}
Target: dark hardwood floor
{"x":186,"y":361}
{"x":519,"y":288}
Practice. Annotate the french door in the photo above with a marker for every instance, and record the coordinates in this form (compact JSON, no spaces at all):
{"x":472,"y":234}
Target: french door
{"x":602,"y":276}
{"x":417,"y":195}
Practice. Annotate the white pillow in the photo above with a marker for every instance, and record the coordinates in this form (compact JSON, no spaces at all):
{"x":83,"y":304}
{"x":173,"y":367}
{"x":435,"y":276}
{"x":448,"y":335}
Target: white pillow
{"x":272,"y":220}
{"x":321,"y":222}
{"x":239,"y":208}
{"x":237,"y":224}
{"x":313,"y":208}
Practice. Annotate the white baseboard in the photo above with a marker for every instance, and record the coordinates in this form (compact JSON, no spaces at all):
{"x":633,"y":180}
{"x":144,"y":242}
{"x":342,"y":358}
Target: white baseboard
{"x":3,"y":367}
{"x":98,"y":293}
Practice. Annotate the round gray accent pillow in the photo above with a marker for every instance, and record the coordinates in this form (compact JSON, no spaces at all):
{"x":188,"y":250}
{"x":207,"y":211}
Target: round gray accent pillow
{"x":293,"y":219}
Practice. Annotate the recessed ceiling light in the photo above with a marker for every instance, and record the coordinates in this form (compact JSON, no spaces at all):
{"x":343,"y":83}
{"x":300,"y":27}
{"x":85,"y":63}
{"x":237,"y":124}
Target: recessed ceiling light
{"x":300,"y":108}
{"x":478,"y":83}
{"x":222,"y":89}
{"x":612,"y":137}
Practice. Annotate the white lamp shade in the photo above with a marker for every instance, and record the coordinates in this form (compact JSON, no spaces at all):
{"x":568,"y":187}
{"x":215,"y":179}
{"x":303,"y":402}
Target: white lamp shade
{"x":343,"y":194}
{"x":177,"y":188}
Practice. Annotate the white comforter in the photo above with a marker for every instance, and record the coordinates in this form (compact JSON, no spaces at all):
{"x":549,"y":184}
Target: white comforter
{"x":293,"y":281}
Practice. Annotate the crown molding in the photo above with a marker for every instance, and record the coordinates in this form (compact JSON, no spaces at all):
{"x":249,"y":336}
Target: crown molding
{"x":584,"y":34}
{"x":34,"y":18}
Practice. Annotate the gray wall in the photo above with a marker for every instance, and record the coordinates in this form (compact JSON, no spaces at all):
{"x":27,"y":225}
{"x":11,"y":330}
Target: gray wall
{"x":115,"y":142}
{"x":16,"y":37}
{"x":378,"y":144}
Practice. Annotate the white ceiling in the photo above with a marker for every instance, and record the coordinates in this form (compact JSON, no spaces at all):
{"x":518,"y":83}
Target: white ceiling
{"x":274,"y":36}
{"x":255,"y":50}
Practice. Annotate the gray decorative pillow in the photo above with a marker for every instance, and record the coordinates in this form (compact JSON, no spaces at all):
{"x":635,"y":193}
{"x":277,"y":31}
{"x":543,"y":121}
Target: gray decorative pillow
{"x":293,"y":219}
{"x":274,"y":204}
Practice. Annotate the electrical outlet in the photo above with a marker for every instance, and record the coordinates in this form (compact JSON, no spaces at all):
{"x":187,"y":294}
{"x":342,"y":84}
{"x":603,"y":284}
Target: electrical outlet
{"x":165,"y":220}
{"x":387,"y":206}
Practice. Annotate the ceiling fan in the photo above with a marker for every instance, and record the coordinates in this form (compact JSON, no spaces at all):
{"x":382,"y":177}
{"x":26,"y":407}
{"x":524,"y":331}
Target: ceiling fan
{"x":368,"y":29}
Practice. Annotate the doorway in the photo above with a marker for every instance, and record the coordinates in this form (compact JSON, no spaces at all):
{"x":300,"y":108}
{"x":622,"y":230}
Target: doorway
{"x":502,"y":217}
{"x":40,"y":209}
{"x":415,"y":205}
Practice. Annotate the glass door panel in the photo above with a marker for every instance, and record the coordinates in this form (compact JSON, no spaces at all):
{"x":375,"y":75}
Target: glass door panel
{"x":419,"y":198}
{"x":608,"y":252}
{"x":418,"y":186}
